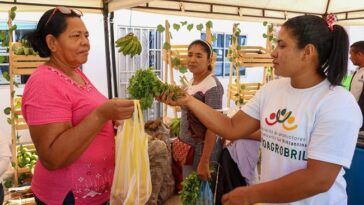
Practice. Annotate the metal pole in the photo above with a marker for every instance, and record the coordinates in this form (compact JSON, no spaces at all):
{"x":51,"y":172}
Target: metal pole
{"x":113,"y":61}
{"x":105,"y":12}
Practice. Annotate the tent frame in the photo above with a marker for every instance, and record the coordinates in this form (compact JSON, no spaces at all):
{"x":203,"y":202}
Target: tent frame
{"x":263,"y":13}
{"x":109,"y":37}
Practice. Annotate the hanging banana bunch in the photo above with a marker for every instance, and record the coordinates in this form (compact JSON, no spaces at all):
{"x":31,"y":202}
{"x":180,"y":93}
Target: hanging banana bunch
{"x":129,"y":45}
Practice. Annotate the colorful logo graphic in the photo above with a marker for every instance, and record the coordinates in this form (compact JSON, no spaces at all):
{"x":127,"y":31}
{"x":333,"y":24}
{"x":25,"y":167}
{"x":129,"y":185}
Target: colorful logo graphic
{"x":284,"y":118}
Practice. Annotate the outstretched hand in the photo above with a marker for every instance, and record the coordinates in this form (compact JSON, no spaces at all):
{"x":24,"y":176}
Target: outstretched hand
{"x":167,"y":99}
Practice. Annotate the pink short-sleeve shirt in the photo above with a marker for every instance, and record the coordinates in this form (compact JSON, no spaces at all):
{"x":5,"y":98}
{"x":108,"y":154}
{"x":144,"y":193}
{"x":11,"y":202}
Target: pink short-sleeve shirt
{"x":50,"y":97}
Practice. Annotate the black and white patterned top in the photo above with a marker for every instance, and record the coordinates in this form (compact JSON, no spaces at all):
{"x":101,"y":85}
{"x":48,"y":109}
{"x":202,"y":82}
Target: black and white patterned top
{"x":209,"y":91}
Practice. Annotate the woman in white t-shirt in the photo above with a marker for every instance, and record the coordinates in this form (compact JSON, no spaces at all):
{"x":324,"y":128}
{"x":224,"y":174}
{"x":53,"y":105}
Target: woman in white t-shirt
{"x":309,"y":123}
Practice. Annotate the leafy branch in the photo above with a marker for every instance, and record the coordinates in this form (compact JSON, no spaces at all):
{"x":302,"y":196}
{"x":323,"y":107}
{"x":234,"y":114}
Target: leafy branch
{"x":4,"y":38}
{"x":270,"y":33}
{"x":176,"y":62}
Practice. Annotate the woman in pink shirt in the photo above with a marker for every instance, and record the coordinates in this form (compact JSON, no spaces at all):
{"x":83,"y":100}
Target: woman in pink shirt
{"x":70,"y":121}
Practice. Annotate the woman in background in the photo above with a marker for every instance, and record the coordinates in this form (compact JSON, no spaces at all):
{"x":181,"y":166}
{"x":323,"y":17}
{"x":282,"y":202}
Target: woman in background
{"x":205,"y":87}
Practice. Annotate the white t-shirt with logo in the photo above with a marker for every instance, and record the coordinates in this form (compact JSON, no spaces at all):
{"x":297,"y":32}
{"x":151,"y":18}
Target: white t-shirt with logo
{"x":321,"y":123}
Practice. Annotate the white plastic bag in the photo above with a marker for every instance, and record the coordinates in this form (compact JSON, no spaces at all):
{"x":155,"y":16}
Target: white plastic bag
{"x":132,"y":183}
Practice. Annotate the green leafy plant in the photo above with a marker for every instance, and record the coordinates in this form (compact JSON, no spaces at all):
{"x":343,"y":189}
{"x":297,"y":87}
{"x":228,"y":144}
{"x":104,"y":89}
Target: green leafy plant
{"x":190,"y":27}
{"x":176,"y":63}
{"x":176,"y":26}
{"x":269,"y":34}
{"x":182,"y":69}
{"x":166,"y":46}
{"x":239,"y":97}
{"x":145,"y":85}
{"x":209,"y":24}
{"x":214,"y":37}
{"x":190,"y":192}
{"x":199,"y":27}
{"x":5,"y":42}
{"x":160,"y":28}
{"x":233,"y":52}
{"x":8,"y":183}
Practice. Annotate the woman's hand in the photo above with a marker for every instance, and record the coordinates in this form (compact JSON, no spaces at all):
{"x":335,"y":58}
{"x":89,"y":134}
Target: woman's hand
{"x":116,"y":109}
{"x":167,"y":99}
{"x":237,"y":196}
{"x":118,"y":123}
{"x":203,"y":170}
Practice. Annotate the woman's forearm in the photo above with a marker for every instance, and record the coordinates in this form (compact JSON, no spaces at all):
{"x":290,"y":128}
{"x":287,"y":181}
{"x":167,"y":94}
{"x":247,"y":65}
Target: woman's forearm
{"x":69,"y":142}
{"x":295,"y":186}
{"x":210,"y":141}
{"x":60,"y":144}
{"x":237,"y":127}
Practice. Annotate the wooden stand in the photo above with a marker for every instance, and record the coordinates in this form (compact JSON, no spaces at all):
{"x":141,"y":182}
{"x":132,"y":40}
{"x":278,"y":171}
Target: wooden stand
{"x":246,"y":56}
{"x":19,"y":65}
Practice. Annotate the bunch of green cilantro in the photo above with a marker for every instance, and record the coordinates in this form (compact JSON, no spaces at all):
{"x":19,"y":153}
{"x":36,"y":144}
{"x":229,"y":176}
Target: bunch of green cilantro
{"x":145,"y":85}
{"x":190,"y":192}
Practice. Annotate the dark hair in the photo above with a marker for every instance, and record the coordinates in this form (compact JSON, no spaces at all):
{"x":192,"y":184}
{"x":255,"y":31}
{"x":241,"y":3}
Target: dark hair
{"x":358,"y":47}
{"x":332,"y":46}
{"x":56,"y":25}
{"x":206,"y":47}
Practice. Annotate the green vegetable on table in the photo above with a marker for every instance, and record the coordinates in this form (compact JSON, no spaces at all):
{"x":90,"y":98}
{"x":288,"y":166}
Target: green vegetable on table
{"x":145,"y":85}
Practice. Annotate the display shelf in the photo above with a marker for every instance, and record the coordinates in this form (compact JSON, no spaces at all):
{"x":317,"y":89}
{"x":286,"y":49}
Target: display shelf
{"x":246,"y":92}
{"x":19,"y":65}
{"x":181,"y":52}
{"x":245,"y":57}
{"x":24,"y":64}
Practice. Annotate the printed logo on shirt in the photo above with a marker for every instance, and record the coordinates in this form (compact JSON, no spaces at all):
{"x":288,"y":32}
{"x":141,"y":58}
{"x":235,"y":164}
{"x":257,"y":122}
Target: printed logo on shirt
{"x":283,"y":117}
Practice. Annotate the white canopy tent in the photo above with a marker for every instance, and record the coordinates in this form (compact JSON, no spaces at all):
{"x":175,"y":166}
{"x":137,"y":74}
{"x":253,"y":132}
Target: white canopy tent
{"x":86,"y":5}
{"x":348,"y":12}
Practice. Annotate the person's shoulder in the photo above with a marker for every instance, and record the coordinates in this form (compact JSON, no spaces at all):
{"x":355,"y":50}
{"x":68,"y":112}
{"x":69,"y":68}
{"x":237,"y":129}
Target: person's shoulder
{"x":216,"y":80}
{"x":43,"y":76}
{"x":339,"y":98}
{"x":338,"y":91}
{"x":43,"y":72}
{"x":276,"y":83}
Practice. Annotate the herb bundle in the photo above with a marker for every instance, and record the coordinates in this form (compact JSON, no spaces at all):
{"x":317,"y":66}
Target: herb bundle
{"x":145,"y":85}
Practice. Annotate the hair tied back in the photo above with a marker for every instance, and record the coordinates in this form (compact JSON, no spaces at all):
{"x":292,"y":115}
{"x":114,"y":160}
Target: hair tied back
{"x":330,"y":20}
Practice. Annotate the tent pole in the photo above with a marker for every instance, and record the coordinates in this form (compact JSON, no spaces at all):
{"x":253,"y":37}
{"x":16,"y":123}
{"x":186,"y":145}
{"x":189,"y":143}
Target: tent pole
{"x":105,"y":13}
{"x":113,"y":61}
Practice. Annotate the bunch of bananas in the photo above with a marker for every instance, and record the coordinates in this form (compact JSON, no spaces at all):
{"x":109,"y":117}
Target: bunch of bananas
{"x":174,"y":126}
{"x":129,"y":45}
{"x":23,"y":48}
